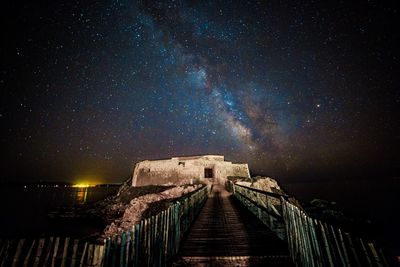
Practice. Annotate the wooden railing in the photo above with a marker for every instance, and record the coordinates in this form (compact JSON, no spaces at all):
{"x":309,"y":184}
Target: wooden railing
{"x":152,"y":242}
{"x":155,"y":241}
{"x":265,"y":205}
{"x":51,"y":251}
{"x":311,"y":242}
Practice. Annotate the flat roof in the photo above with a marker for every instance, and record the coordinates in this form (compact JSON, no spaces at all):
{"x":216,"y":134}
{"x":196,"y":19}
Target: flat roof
{"x":198,"y":157}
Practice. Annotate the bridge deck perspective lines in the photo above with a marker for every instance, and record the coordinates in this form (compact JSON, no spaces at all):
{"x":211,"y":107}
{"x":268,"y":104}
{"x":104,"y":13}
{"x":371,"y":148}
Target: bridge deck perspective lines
{"x":225,"y":229}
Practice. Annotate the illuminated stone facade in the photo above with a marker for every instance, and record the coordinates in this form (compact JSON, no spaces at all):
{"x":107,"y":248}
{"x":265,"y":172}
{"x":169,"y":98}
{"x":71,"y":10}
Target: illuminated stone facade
{"x":182,"y":170}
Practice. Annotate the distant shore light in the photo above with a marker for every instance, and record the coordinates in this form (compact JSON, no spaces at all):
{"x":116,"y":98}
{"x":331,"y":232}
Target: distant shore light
{"x":82,"y":185}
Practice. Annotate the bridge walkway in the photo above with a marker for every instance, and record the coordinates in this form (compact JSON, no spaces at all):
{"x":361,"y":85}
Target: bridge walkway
{"x":226,"y":233}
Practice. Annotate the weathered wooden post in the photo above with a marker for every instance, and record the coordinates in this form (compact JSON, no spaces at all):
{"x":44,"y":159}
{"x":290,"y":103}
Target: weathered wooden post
{"x":138,"y":233}
{"x":49,"y":247}
{"x":366,"y":256}
{"x":65,"y":251}
{"x":375,"y":254}
{"x":107,"y":243}
{"x":352,"y":248}
{"x":74,"y":252}
{"x":344,"y":249}
{"x":122,"y":250}
{"x":26,"y":261}
{"x":56,"y":244}
{"x":83,"y":254}
{"x":128,"y":247}
{"x":18,"y":252}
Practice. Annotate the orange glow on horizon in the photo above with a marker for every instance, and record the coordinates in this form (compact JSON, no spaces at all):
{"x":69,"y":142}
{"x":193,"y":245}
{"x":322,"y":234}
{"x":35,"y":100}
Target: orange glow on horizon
{"x":83,"y":185}
{"x":83,"y":181}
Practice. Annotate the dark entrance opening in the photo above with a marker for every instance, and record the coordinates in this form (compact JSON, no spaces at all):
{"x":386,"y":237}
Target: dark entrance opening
{"x":208,"y":173}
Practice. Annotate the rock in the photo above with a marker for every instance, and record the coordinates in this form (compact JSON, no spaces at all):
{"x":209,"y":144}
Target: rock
{"x":236,"y":179}
{"x":133,"y":212}
{"x":266,"y":184}
{"x":248,"y":184}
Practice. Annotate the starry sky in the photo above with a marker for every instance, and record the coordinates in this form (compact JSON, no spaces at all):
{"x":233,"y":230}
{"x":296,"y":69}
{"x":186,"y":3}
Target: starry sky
{"x":298,"y":89}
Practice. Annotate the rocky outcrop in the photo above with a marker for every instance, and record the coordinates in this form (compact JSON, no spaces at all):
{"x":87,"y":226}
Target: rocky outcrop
{"x":148,"y":204}
{"x":266,"y":184}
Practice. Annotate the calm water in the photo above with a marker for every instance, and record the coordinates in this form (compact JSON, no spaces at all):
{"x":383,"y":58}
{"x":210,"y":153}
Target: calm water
{"x":376,"y":200}
{"x":24,"y":210}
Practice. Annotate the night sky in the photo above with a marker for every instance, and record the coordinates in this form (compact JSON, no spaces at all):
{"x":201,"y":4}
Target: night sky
{"x":302,"y":90}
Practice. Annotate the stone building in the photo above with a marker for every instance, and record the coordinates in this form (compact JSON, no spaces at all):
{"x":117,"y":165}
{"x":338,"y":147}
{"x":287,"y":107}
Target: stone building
{"x":180,"y":170}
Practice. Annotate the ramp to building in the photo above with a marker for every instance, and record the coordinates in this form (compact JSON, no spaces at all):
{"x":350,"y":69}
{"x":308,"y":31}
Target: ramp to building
{"x":227,"y":234}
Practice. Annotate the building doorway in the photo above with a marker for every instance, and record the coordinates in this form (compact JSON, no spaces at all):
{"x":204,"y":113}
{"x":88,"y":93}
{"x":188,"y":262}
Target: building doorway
{"x":208,"y":173}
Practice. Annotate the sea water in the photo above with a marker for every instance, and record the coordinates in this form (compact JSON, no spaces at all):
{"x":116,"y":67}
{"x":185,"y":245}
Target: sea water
{"x":24,"y":210}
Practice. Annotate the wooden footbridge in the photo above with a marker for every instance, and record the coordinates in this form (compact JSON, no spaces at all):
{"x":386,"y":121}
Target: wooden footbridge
{"x":226,"y":233}
{"x":212,"y":226}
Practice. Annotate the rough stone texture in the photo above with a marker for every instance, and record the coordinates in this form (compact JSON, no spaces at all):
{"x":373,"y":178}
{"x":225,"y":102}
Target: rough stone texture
{"x":263,"y":183}
{"x":186,"y":170}
{"x":248,"y":184}
{"x":266,"y":184}
{"x":133,"y":213}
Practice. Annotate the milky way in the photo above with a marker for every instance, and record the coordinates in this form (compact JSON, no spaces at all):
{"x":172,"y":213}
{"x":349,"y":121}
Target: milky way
{"x":297,"y":90}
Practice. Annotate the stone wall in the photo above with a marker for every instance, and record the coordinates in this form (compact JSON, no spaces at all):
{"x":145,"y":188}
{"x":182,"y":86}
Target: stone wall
{"x":184,"y":170}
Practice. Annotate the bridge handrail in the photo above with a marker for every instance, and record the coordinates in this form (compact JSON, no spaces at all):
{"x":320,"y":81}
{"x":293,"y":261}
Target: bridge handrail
{"x":155,"y":240}
{"x":265,"y":205}
{"x":274,"y":214}
{"x":276,"y":195}
{"x":311,"y":242}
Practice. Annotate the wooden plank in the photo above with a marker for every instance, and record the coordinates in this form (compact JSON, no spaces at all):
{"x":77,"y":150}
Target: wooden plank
{"x":353,"y":250}
{"x":83,"y":254}
{"x":101,"y":255}
{"x":128,"y":247}
{"x":132,"y":251}
{"x":225,"y":228}
{"x":107,"y":243}
{"x":326,"y":244}
{"x":366,"y":256}
{"x":337,"y":246}
{"x":39,"y":251}
{"x":65,"y":252}
{"x":114,"y":246}
{"x":28,"y":255}
{"x":74,"y":253}
{"x":138,"y":240}
{"x":95,"y":261}
{"x":164,"y":237}
{"x":158,"y":239}
{"x":122,"y":250}
{"x":56,"y":245}
{"x":151,"y":255}
{"x":167,"y":226}
{"x":89,"y":259}
{"x":148,"y":240}
{"x":18,"y":252}
{"x":315,"y":253}
{"x":6,"y":251}
{"x":178,"y":228}
{"x":344,"y":248}
{"x":375,"y":254}
{"x":382,"y":255}
{"x":3,"y":244}
{"x":48,"y":251}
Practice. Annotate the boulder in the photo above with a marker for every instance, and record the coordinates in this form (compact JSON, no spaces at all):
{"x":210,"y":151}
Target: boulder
{"x":266,"y":184}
